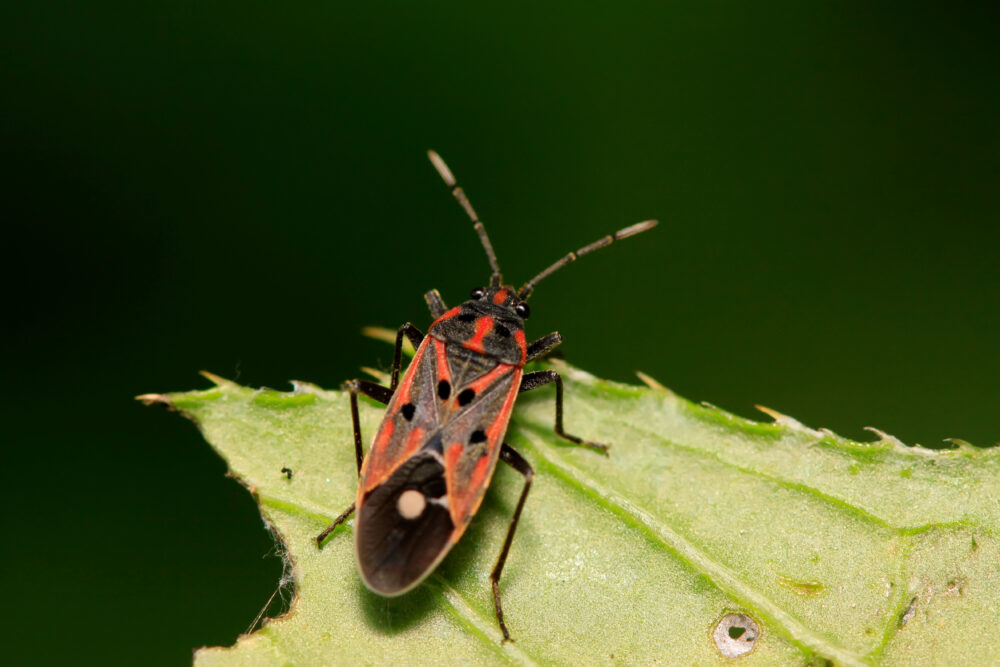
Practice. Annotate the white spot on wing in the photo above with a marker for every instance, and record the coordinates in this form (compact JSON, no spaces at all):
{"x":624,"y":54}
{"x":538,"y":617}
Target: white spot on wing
{"x":411,"y":504}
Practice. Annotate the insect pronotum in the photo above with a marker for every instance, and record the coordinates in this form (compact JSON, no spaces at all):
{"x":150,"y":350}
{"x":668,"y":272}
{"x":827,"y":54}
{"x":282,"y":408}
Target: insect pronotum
{"x":435,"y":452}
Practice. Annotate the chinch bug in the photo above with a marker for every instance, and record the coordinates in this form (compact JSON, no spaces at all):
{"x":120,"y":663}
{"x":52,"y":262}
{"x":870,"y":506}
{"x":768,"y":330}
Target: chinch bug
{"x":434,"y":454}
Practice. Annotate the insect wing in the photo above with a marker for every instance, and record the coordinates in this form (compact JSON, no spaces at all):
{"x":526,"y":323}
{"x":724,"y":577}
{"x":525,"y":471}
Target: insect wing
{"x":395,"y":551}
{"x":428,"y":469}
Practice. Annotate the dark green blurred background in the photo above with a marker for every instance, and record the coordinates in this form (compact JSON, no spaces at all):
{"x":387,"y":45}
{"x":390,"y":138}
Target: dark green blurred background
{"x":241,"y":187}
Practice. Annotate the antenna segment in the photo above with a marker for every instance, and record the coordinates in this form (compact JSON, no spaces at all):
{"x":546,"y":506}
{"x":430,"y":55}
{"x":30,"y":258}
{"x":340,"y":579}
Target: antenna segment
{"x":631,"y":230}
{"x":477,"y":224}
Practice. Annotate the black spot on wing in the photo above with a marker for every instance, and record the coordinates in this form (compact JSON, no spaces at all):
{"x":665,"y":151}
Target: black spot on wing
{"x":477,"y":436}
{"x":408,"y":411}
{"x":444,"y":390}
{"x":396,"y":553}
{"x":465,"y":396}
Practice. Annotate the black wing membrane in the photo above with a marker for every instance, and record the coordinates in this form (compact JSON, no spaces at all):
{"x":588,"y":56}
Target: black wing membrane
{"x":396,"y":553}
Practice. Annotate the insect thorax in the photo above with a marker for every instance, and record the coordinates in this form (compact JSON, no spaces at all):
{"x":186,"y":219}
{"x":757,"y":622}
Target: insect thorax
{"x":483,"y":329}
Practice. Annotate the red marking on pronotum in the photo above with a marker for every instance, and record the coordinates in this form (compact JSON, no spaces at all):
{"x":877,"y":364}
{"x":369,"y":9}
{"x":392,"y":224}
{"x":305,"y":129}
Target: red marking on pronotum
{"x":448,"y":315}
{"x":483,"y":326}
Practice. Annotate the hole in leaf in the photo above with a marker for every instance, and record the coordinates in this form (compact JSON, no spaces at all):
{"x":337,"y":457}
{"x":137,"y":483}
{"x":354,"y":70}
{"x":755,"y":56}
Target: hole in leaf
{"x":735,"y":635}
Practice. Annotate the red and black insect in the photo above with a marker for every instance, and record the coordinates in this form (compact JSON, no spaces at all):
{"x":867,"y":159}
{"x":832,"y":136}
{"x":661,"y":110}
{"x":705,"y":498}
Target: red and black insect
{"x":433,"y":457}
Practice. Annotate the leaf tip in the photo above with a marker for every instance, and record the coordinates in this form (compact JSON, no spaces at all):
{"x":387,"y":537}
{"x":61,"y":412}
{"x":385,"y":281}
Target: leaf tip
{"x":154,"y":399}
{"x":653,"y":383}
{"x":884,"y":437}
{"x":789,"y":422}
{"x":378,"y":333}
{"x":387,"y":336}
{"x":381,"y":376}
{"x":303,"y":387}
{"x":217,"y":380}
{"x":772,"y":413}
{"x":573,"y":373}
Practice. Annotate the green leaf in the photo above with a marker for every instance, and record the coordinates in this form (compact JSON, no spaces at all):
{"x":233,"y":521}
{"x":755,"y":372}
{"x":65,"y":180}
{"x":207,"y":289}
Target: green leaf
{"x":832,"y":549}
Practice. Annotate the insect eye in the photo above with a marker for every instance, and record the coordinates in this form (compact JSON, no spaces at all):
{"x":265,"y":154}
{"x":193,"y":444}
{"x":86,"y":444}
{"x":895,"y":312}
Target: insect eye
{"x":477,"y":293}
{"x":522,"y":310}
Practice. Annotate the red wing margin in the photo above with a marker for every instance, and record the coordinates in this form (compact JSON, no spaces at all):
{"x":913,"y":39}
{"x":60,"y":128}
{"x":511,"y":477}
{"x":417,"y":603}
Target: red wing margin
{"x":410,"y":416}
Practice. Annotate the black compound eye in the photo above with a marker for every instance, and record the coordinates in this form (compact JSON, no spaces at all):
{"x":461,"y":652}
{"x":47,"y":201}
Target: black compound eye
{"x":477,"y":293}
{"x":522,"y":310}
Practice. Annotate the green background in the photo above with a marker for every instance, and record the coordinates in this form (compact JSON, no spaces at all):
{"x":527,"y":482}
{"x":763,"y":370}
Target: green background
{"x":241,"y":187}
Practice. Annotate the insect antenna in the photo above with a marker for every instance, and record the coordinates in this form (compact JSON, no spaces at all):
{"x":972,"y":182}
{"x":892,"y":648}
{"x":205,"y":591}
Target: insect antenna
{"x":631,"y":230}
{"x":477,"y":224}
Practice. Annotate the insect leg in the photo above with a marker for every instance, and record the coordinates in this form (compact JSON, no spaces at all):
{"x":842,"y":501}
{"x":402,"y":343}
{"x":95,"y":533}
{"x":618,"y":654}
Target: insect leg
{"x":510,"y":456}
{"x":339,"y":520}
{"x":544,"y":345}
{"x":371,"y":390}
{"x":416,"y":337}
{"x":435,"y":303}
{"x":380,"y":394}
{"x":539,"y":378}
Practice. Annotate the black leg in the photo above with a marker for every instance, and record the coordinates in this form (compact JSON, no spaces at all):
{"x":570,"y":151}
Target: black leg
{"x":371,"y":390}
{"x":380,"y":394}
{"x":540,"y":378}
{"x":435,"y":303}
{"x":509,"y":456}
{"x":416,"y":337}
{"x":544,"y":345}
{"x":376,"y":391}
{"x":339,"y":520}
